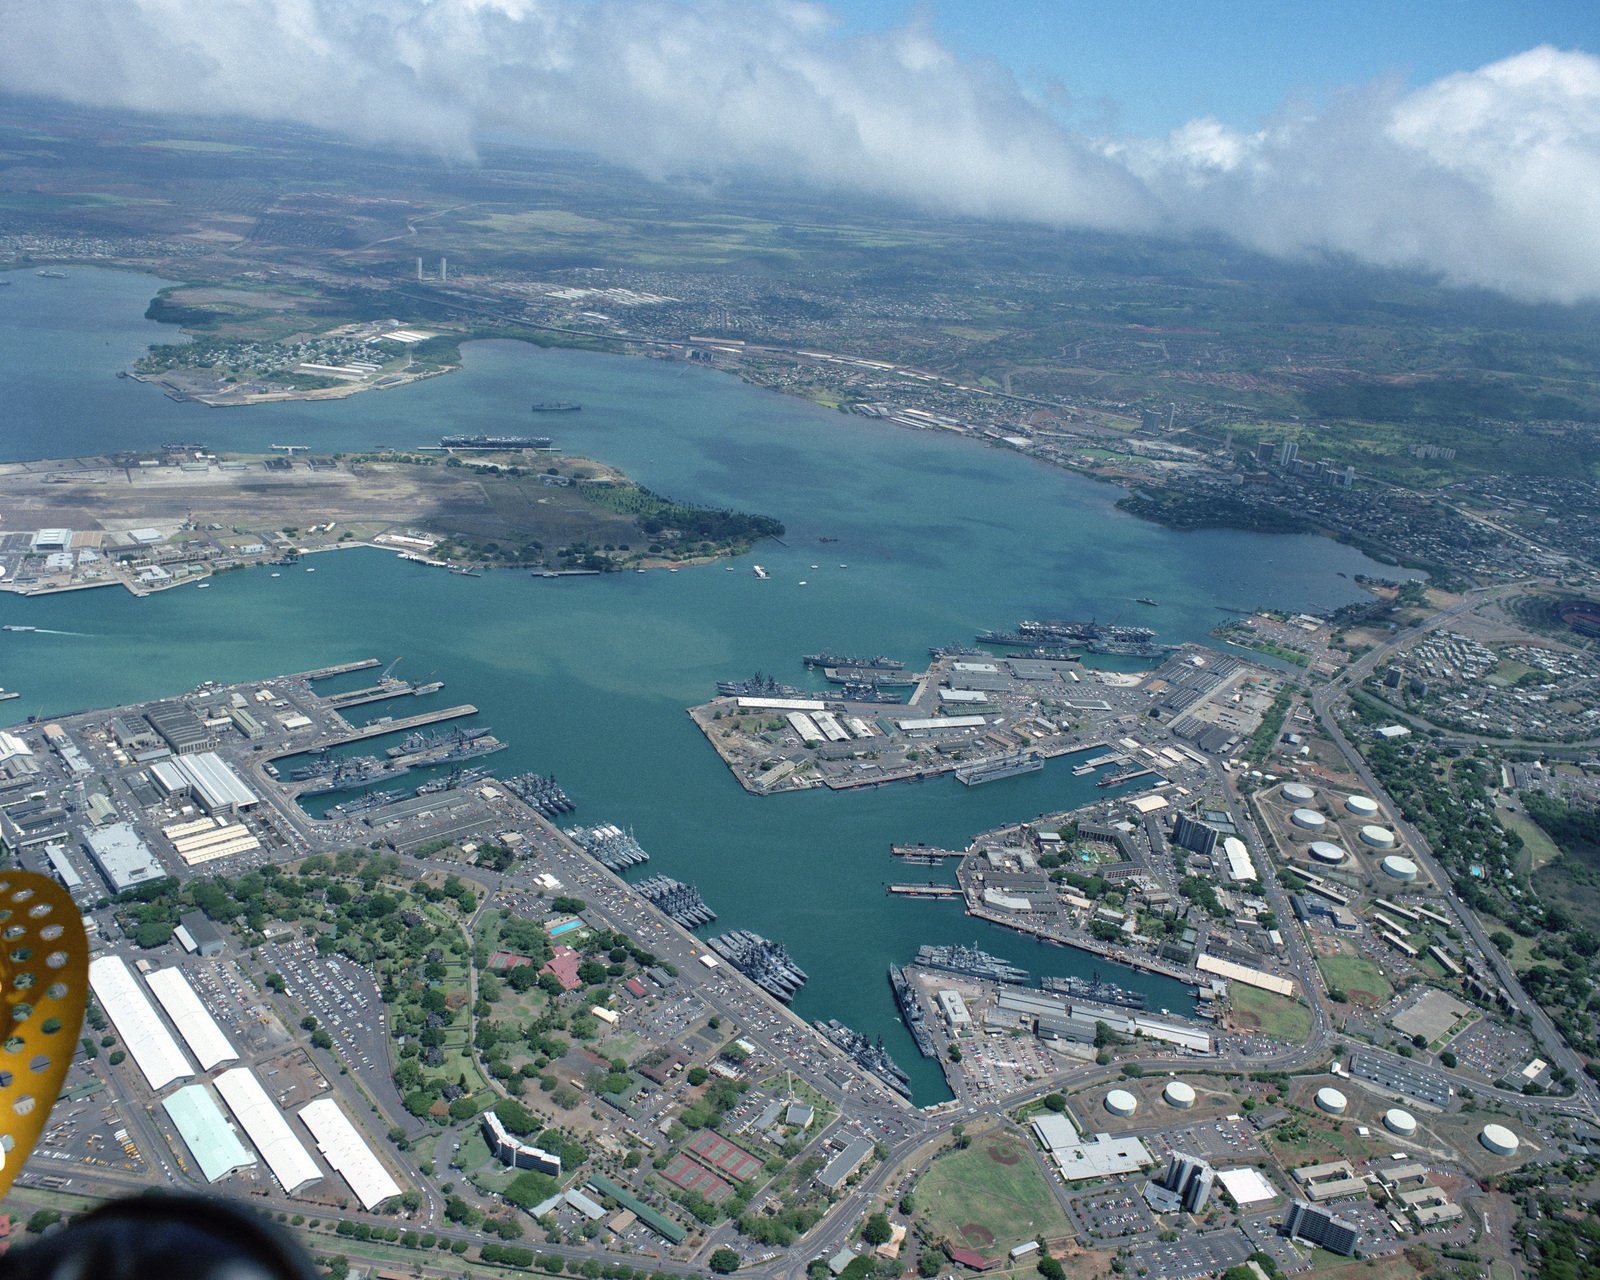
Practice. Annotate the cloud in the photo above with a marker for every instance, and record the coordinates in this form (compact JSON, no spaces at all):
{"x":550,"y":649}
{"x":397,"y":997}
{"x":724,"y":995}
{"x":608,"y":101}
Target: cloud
{"x":1489,"y":177}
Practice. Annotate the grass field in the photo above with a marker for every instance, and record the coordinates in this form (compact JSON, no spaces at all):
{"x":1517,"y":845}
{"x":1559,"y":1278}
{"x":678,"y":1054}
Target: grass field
{"x":1538,"y":849}
{"x":1270,"y":1014}
{"x":990,"y":1196}
{"x":1357,"y":977}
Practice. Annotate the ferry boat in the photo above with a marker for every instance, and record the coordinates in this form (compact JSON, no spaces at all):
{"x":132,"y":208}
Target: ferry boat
{"x":759,"y":571}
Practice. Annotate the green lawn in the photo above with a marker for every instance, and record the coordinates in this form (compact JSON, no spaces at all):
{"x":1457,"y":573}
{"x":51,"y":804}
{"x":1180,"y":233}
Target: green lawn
{"x":1276,"y":1016}
{"x":989,"y":1197}
{"x":1358,"y":977}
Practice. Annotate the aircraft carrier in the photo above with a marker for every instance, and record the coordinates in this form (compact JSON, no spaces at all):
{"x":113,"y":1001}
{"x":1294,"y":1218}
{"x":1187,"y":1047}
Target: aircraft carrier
{"x":975,"y":775}
{"x":868,"y":1053}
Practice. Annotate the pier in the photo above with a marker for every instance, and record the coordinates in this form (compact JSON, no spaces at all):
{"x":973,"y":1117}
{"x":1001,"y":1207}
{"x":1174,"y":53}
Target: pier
{"x":380,"y":692}
{"x":928,"y":889}
{"x":376,"y":730}
{"x":920,"y":851}
{"x":324,"y":673}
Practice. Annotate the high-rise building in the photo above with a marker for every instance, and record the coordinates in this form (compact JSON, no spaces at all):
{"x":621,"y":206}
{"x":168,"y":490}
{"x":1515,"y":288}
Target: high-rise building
{"x":1194,"y":835}
{"x":1288,"y":452}
{"x":1319,"y":1226}
{"x":1190,"y":1179}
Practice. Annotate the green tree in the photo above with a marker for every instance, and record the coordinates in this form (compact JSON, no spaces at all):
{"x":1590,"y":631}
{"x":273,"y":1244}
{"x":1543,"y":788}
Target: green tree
{"x":877,"y":1230}
{"x":724,"y":1262}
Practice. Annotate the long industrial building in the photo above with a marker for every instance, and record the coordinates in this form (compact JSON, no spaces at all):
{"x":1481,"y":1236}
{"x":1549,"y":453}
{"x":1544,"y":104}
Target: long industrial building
{"x":259,"y":1117}
{"x":347,"y":1151}
{"x":152,"y":1047}
{"x":208,"y":778}
{"x":211,"y":1048}
{"x":206,"y":1132}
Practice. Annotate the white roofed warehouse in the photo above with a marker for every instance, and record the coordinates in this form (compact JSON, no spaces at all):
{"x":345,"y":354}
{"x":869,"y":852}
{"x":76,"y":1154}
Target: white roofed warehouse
{"x":347,"y":1151}
{"x":259,"y":1117}
{"x":151,"y":1047}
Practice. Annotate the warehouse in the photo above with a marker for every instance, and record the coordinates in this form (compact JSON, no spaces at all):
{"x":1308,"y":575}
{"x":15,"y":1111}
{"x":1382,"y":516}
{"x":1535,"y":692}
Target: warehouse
{"x":346,"y":1150}
{"x":208,"y":778}
{"x":183,"y":731}
{"x":154,"y":1051}
{"x":121,"y":857}
{"x":197,"y":1027}
{"x":208,"y":839}
{"x":206,"y":1132}
{"x":258,"y":1115}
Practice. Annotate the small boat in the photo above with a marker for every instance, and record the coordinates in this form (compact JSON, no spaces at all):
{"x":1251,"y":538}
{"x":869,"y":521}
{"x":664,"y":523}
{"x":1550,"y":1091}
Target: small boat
{"x":759,"y":571}
{"x":202,"y":586}
{"x":13,"y":626}
{"x":1147,"y":600}
{"x":310,"y":570}
{"x":277,"y":575}
{"x":802,"y":582}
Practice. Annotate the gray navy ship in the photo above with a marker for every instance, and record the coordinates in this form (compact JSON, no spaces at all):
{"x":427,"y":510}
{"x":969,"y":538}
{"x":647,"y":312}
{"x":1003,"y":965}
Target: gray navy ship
{"x":541,"y":793}
{"x":971,"y":963}
{"x":868,"y":1053}
{"x":682,"y":902}
{"x":610,"y":846}
{"x":1094,"y":989}
{"x":766,"y":963}
{"x":905,"y":995}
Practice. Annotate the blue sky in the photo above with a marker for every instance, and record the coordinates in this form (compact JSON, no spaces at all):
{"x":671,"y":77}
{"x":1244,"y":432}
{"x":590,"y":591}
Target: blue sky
{"x":1145,"y":66}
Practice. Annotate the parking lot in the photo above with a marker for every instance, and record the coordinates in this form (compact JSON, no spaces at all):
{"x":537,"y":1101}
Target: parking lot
{"x":1192,"y":1254}
{"x":1109,"y":1215}
{"x":1224,"y":1141}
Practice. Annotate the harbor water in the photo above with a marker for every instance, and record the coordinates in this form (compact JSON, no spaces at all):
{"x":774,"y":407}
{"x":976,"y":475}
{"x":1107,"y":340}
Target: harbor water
{"x":896,"y":540}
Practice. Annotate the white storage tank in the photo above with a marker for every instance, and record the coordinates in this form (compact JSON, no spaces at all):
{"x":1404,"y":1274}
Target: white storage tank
{"x":1378,"y":837}
{"x":1119,"y":1102}
{"x":1298,"y":793}
{"x":1179,"y":1094}
{"x":1328,"y":852}
{"x":1402,"y":1122}
{"x":1308,"y":819}
{"x":1399,"y":868}
{"x":1362,"y":806}
{"x":1332,"y":1101}
{"x":1499,"y":1139}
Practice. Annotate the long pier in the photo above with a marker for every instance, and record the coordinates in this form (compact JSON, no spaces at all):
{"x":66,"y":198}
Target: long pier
{"x":372,"y":693}
{"x":323,"y":673}
{"x":929,"y":889}
{"x":377,"y":730}
{"x":924,"y":851}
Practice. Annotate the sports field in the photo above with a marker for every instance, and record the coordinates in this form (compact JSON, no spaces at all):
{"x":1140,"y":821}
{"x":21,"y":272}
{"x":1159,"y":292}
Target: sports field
{"x":990,"y":1196}
{"x":1358,"y":977}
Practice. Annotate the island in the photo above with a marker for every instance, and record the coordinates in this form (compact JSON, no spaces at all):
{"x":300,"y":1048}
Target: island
{"x":149,"y":521}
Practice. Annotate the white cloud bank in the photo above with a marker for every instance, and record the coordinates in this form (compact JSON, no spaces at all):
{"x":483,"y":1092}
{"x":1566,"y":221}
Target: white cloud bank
{"x":1489,"y":177}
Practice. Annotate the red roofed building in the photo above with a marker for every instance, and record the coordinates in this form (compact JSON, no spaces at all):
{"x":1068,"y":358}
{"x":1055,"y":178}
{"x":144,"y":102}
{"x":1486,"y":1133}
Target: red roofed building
{"x":971,"y":1259}
{"x":635,"y":988}
{"x":563,"y":963}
